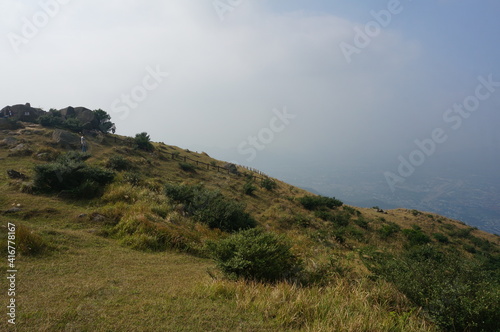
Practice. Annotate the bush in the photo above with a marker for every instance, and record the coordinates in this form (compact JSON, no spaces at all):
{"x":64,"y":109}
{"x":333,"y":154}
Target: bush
{"x":143,"y":142}
{"x":187,"y":167}
{"x":70,"y":174}
{"x":415,"y":236}
{"x":389,"y":229}
{"x":315,"y":202}
{"x":134,"y":179}
{"x":441,"y":237}
{"x":118,"y":163}
{"x":103,"y":121}
{"x":255,"y":255}
{"x":249,"y":188}
{"x":268,"y":184}
{"x":211,"y":207}
{"x":339,"y":218}
{"x":458,"y":294}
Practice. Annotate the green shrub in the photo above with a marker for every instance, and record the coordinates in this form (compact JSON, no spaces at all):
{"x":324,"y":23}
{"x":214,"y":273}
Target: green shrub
{"x":459,"y":294}
{"x":249,"y":188}
{"x":441,"y":237}
{"x":388,"y":229}
{"x":119,"y":163}
{"x":338,"y":218}
{"x":72,"y":176}
{"x":51,"y":119}
{"x":415,"y":236}
{"x":134,"y":179}
{"x":362,"y":222}
{"x":142,"y":141}
{"x":180,"y":193}
{"x":315,"y":202}
{"x":255,"y":255}
{"x":102,"y":121}
{"x":268,"y":184}
{"x":211,"y":207}
{"x":72,"y":124}
{"x":187,"y":167}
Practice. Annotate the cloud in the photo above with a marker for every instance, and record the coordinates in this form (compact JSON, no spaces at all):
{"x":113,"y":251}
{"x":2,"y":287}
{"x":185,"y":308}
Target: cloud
{"x":225,"y":77}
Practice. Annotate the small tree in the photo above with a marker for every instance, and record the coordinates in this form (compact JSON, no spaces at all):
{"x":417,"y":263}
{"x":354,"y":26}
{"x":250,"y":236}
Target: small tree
{"x":143,"y":142}
{"x":103,"y":119}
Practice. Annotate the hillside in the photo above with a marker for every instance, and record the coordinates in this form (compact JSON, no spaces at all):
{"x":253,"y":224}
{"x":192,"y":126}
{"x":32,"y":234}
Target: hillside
{"x":126,"y":255}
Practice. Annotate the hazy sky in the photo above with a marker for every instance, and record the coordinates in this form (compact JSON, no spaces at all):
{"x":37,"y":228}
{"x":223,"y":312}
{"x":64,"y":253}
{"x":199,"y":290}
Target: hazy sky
{"x":333,"y":80}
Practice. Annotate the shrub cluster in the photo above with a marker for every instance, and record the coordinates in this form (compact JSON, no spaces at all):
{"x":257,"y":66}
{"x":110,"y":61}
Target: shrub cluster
{"x":101,"y":122}
{"x":458,"y":293}
{"x":416,"y":236}
{"x":211,"y":207}
{"x":118,"y":163}
{"x":70,"y":175}
{"x":388,"y":229}
{"x":268,"y":184}
{"x":142,"y":141}
{"x":255,"y":255}
{"x":316,"y":202}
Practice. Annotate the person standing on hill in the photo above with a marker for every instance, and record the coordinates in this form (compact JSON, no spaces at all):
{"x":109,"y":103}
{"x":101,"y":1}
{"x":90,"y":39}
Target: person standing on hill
{"x":84,"y":144}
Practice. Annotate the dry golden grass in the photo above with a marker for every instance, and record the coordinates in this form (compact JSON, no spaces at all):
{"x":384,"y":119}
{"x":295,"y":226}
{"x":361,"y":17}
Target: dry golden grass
{"x":358,"y":305}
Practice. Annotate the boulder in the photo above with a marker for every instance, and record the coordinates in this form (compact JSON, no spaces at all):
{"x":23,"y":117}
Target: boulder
{"x":231,"y":168}
{"x":22,"y":112}
{"x":84,"y":115}
{"x":20,"y":150}
{"x":9,"y":141}
{"x":66,"y":139}
{"x":13,"y":174}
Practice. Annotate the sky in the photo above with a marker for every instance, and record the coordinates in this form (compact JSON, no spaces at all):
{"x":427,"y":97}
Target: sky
{"x":260,"y":82}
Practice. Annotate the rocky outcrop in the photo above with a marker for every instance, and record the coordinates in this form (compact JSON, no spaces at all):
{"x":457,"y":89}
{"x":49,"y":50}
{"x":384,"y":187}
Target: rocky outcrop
{"x":84,"y":115}
{"x":22,"y":112}
{"x":66,"y":139}
{"x":231,"y":168}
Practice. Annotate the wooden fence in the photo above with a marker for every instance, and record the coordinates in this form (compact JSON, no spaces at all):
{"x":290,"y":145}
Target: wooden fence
{"x":258,"y":174}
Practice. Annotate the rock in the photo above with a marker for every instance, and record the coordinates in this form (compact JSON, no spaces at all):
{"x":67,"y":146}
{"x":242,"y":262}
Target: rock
{"x":66,"y":139}
{"x":20,"y":150}
{"x":9,"y":141}
{"x":231,"y":168}
{"x":84,"y":115}
{"x":16,"y":175}
{"x":83,"y":215}
{"x":22,"y":112}
{"x":12,"y":210}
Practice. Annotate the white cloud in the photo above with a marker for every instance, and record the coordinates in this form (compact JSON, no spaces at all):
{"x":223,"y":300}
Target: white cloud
{"x":226,"y":77}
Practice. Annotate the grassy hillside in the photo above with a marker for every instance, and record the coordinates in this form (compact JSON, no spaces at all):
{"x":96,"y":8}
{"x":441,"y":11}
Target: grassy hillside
{"x":126,"y":256}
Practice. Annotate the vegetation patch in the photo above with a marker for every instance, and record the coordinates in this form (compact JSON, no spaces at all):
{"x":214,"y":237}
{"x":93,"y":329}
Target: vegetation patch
{"x":71,"y":176}
{"x":255,"y":255}
{"x":458,"y":293}
{"x":316,"y":202}
{"x":211,"y":207}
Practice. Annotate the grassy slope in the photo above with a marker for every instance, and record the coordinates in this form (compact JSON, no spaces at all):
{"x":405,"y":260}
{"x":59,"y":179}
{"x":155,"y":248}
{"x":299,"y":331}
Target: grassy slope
{"x":92,"y":283}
